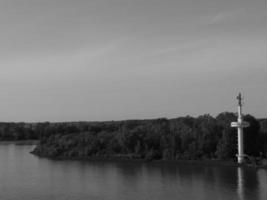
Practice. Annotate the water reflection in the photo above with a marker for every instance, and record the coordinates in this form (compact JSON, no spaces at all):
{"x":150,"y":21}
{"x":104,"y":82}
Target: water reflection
{"x":24,"y":176}
{"x":240,"y":183}
{"x":130,"y":180}
{"x":247,"y":183}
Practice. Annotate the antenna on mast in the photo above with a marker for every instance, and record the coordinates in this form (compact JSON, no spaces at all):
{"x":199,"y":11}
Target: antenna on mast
{"x":240,"y":99}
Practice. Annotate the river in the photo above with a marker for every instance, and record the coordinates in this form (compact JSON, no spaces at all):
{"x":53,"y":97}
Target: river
{"x":24,"y":176}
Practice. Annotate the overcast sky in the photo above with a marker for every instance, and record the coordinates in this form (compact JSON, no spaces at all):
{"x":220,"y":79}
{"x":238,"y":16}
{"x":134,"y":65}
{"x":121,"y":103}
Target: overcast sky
{"x":71,"y":60}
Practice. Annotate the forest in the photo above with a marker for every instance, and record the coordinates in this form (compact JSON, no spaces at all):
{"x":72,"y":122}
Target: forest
{"x":183,"y":138}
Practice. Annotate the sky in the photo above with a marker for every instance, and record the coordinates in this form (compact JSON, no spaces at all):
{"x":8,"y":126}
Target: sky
{"x":94,"y":60}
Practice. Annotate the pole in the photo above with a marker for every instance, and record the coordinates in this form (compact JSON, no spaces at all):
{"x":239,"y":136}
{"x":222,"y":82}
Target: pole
{"x":240,"y":124}
{"x":240,"y":157}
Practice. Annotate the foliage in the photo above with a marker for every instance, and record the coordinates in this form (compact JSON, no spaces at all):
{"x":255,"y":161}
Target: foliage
{"x":187,"y":138}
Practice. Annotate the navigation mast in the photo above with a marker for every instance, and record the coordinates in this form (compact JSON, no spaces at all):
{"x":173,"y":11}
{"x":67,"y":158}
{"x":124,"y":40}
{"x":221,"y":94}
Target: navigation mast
{"x":240,"y":125}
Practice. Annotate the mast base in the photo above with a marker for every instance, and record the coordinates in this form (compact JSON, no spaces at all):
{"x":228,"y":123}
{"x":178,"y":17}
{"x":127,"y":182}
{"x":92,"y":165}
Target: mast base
{"x":241,"y":158}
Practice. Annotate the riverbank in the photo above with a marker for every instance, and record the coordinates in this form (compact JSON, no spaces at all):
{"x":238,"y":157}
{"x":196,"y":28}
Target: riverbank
{"x":121,"y":158}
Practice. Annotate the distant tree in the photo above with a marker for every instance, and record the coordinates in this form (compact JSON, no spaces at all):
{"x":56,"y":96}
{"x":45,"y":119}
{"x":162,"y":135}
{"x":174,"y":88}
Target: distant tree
{"x":251,"y":136}
{"x":227,"y":145}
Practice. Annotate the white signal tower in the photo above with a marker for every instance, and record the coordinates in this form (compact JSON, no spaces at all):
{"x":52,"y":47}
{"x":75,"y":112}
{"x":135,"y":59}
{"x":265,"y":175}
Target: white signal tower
{"x":240,"y":124}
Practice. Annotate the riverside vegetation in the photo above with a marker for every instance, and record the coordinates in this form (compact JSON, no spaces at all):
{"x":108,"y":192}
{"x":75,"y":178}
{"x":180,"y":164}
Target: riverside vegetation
{"x":183,"y":138}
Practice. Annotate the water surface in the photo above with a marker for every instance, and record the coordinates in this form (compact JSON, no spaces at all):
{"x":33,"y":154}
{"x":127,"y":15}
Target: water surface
{"x":25,"y":176}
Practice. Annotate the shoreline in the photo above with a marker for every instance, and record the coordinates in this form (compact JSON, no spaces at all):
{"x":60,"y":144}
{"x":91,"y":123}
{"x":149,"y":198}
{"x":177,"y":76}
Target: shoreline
{"x":219,"y":163}
{"x":20,"y":142}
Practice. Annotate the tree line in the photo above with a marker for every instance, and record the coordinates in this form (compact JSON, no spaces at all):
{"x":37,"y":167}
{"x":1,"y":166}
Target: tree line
{"x":183,"y":138}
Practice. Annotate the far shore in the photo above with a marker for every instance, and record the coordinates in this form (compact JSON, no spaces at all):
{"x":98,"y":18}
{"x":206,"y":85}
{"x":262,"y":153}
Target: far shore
{"x":20,"y":142}
{"x":206,"y":162}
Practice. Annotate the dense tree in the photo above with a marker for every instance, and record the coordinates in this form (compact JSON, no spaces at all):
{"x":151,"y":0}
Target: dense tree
{"x":251,"y":136}
{"x":204,"y":137}
{"x":227,"y":144}
{"x":187,"y":137}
